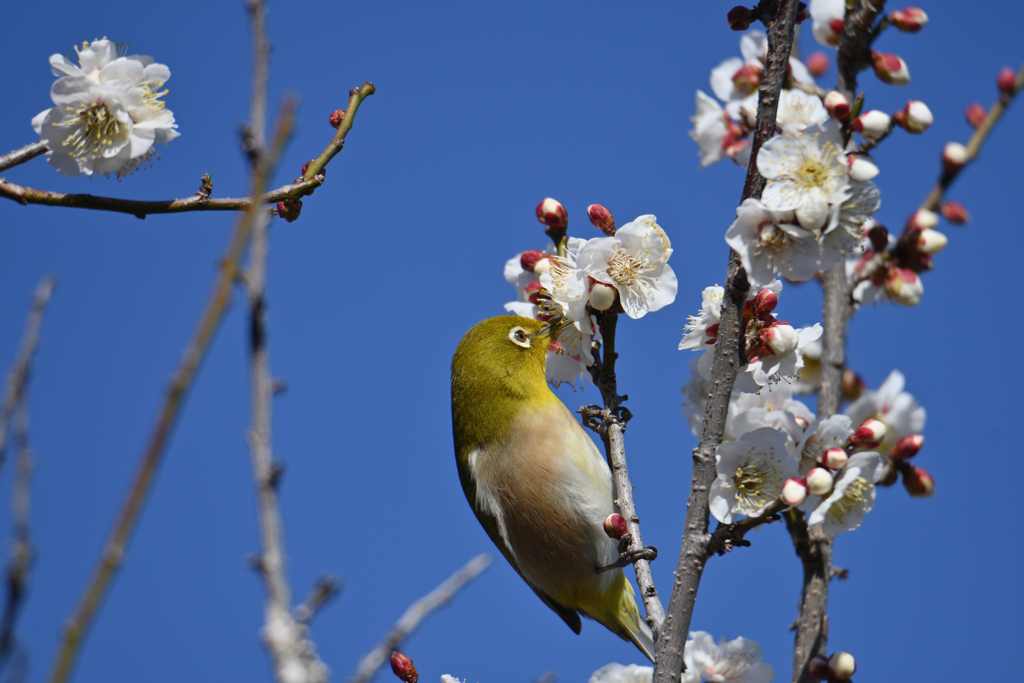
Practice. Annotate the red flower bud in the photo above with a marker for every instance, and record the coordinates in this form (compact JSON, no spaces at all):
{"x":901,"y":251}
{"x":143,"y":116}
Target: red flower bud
{"x":955,"y":212}
{"x":841,"y":666}
{"x":818,"y":63}
{"x":404,"y":668}
{"x":890,"y":68}
{"x":337,"y":116}
{"x":615,"y":526}
{"x":552,"y":214}
{"x":1007,"y":81}
{"x":918,"y":482}
{"x":879,"y":237}
{"x":975,"y":114}
{"x":834,"y":458}
{"x":533,"y":290}
{"x":837,"y":105}
{"x":740,"y":18}
{"x":765,"y":302}
{"x":870,"y":434}
{"x":954,"y":157}
{"x":907,"y":447}
{"x":909,"y":20}
{"x":853,"y":385}
{"x":528,"y":260}
{"x":747,"y":78}
{"x":817,"y":668}
{"x":289,"y":209}
{"x":602,"y":219}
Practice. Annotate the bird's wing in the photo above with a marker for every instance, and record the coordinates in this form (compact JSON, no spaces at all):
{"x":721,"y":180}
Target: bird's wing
{"x":488,"y":512}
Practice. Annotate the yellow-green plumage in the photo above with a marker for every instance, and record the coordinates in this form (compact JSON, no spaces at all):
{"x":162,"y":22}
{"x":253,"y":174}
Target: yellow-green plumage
{"x":534,"y":478}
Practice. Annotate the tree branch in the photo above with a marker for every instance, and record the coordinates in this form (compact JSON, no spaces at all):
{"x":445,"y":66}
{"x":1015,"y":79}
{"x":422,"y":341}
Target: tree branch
{"x":610,"y":423}
{"x":414,"y":616}
{"x":729,"y":357}
{"x":20,"y":156}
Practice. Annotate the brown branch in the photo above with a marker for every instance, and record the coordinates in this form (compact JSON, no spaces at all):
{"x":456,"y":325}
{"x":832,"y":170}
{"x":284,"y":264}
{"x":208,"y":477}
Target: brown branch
{"x":140,"y":209}
{"x":20,"y":156}
{"x":610,"y":423}
{"x":324,"y":590}
{"x":693,"y":554}
{"x":729,"y":536}
{"x":355,"y":98}
{"x":415,"y":615}
{"x":17,"y":378}
{"x":979,"y":136}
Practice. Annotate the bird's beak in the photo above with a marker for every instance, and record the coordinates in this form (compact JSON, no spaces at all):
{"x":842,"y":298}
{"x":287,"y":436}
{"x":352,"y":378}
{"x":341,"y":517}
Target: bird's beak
{"x":553,"y":327}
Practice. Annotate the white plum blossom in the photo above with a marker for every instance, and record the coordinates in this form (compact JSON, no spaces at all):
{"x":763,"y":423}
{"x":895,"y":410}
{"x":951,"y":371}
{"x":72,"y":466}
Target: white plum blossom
{"x":821,"y":435}
{"x":617,"y":673}
{"x":751,"y":472}
{"x":771,"y":368}
{"x":696,"y":336}
{"x":735,"y":661}
{"x":852,"y":497}
{"x":635,"y":262}
{"x":769,"y":244}
{"x":773,"y":406}
{"x":898,"y":409}
{"x":445,"y":678}
{"x":108,"y":113}
{"x":806,"y":173}
{"x":709,"y":130}
{"x":809,"y":377}
{"x":846,"y":232}
{"x":798,"y":110}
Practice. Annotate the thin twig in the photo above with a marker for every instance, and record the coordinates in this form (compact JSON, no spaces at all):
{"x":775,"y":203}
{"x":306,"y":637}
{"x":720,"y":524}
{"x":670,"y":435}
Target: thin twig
{"x":355,"y":98}
{"x":18,"y":376}
{"x":729,"y":357}
{"x":20,"y":156}
{"x":324,"y":590}
{"x":979,"y":136}
{"x":414,"y":616}
{"x":141,"y":209}
{"x":610,"y":423}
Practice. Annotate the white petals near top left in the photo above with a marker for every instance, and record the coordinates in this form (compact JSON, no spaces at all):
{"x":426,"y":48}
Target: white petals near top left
{"x":108,"y":114}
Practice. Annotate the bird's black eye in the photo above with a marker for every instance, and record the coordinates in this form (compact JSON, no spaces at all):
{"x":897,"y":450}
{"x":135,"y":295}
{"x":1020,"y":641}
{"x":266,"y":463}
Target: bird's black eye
{"x":519,"y":337}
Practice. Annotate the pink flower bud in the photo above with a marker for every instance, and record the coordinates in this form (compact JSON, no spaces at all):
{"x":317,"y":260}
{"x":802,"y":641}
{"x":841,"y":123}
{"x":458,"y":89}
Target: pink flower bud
{"x":533,"y":291}
{"x":1007,"y":81}
{"x":841,"y":666}
{"x":802,"y":421}
{"x":404,"y":668}
{"x":837,"y":26}
{"x":529,"y":259}
{"x":923,"y":218}
{"x":337,"y":116}
{"x":834,"y":458}
{"x":909,"y":20}
{"x":975,"y":114}
{"x":780,"y":339}
{"x":918,"y":482}
{"x":765,"y":302}
{"x":602,"y":296}
{"x":930,"y":241}
{"x":802,"y":14}
{"x":890,"y":68}
{"x":552,"y":214}
{"x":289,"y":209}
{"x":794,"y":491}
{"x":862,"y":166}
{"x":917,"y":117}
{"x":615,"y":526}
{"x":817,"y":63}
{"x":323,"y":172}
{"x":819,"y":481}
{"x":872,"y":124}
{"x":740,"y":18}
{"x":907,"y":447}
{"x":870,"y":434}
{"x":954,"y":156}
{"x":837,"y":105}
{"x":602,"y":219}
{"x":904,"y":287}
{"x":747,"y":78}
{"x":879,"y":237}
{"x":954,"y":212}
{"x":817,"y":668}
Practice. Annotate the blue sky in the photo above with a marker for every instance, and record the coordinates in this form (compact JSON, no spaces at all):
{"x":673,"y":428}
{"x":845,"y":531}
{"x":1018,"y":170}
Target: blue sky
{"x":482,"y":110}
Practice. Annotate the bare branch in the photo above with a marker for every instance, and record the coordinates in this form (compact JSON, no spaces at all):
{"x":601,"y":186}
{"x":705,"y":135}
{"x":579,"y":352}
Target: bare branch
{"x":414,"y":616}
{"x":324,"y":590}
{"x":974,"y":144}
{"x":20,"y":156}
{"x":141,"y":209}
{"x":610,"y":423}
{"x":729,"y":358}
{"x":17,"y":378}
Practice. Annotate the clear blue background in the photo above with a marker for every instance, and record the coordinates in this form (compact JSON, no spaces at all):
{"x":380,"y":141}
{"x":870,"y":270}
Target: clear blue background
{"x":482,"y":110}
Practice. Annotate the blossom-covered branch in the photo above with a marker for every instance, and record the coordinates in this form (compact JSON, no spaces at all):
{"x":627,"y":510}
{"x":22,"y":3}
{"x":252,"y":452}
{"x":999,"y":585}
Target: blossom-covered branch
{"x":414,"y":616}
{"x":694,"y":554}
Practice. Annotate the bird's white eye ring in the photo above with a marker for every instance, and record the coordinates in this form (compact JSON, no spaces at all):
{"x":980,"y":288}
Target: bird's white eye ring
{"x":519,"y":337}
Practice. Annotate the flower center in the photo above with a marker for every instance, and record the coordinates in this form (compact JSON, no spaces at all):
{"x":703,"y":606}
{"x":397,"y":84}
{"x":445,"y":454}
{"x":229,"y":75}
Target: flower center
{"x":753,"y":483}
{"x":772,"y":237}
{"x":625,"y":268}
{"x":93,"y":127}
{"x":853,"y":497}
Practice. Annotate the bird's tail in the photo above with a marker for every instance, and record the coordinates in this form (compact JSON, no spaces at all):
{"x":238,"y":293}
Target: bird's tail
{"x":623,"y":618}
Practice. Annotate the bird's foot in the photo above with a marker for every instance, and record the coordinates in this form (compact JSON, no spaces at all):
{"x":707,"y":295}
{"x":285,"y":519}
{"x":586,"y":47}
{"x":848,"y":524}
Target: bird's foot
{"x":628,"y":556}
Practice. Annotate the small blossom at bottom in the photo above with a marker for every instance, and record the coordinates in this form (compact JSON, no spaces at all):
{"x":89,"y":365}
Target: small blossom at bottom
{"x":617,"y":673}
{"x":737,"y":661}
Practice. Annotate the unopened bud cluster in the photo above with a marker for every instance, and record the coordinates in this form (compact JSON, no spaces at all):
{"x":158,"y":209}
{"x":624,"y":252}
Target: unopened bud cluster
{"x":765,"y":335}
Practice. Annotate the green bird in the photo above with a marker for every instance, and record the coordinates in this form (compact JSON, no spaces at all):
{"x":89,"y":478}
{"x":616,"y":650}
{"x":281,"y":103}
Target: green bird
{"x":536,"y":481}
